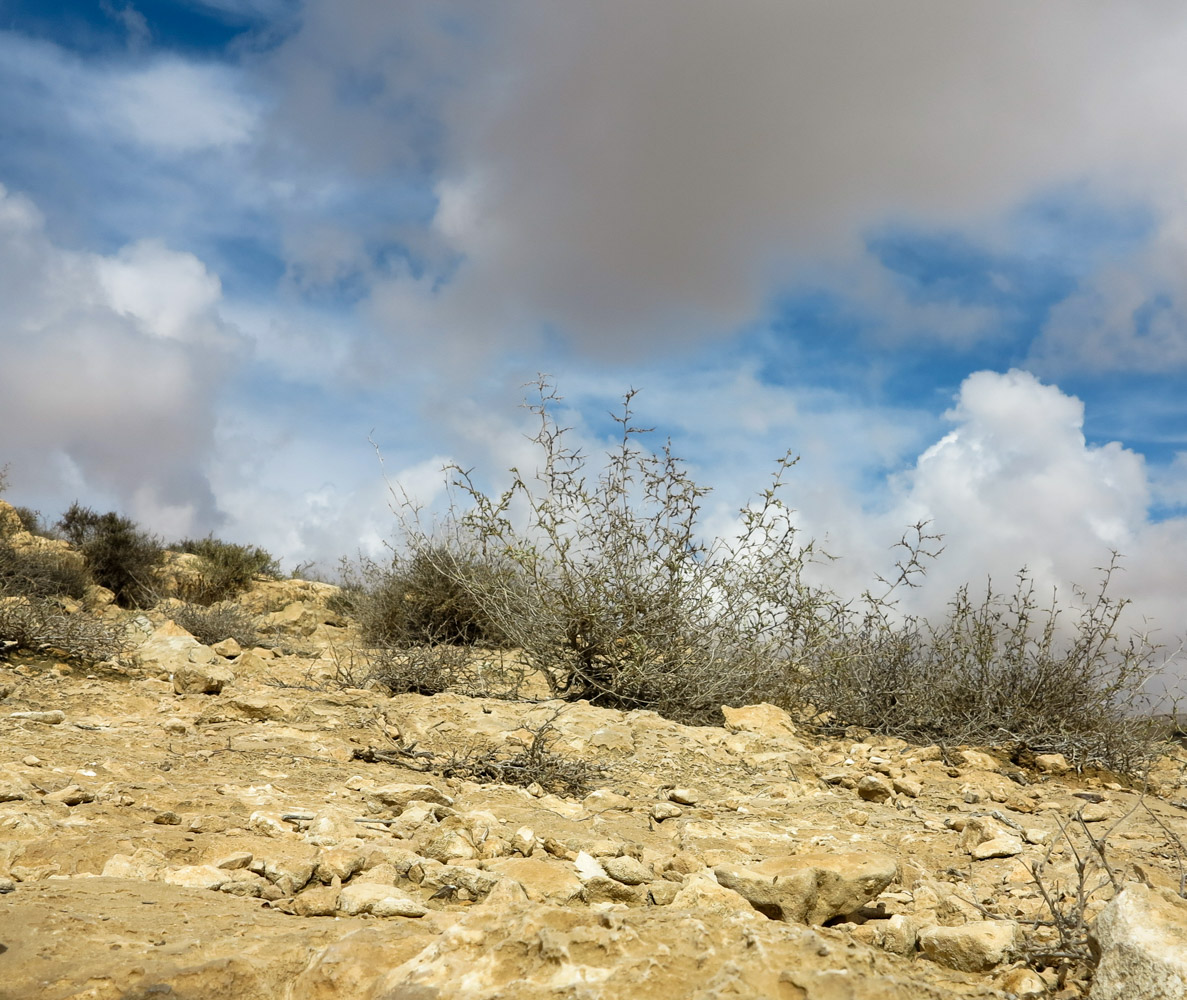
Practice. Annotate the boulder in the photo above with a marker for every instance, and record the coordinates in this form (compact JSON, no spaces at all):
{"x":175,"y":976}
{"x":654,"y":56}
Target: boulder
{"x":543,"y":881}
{"x":1142,"y":937}
{"x":810,"y":888}
{"x":378,"y":900}
{"x":973,"y":947}
{"x":628,"y":870}
{"x":201,"y":678}
{"x":766,"y":720}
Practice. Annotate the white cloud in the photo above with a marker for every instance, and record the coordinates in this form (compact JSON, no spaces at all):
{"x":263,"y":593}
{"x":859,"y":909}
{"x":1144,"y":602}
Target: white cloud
{"x":170,"y":294}
{"x":175,"y":107}
{"x":1015,"y":484}
{"x":111,"y":366}
{"x":657,"y":169}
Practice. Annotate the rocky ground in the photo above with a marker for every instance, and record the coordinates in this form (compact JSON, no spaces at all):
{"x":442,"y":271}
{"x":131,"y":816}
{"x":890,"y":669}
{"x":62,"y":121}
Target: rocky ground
{"x":211,"y":822}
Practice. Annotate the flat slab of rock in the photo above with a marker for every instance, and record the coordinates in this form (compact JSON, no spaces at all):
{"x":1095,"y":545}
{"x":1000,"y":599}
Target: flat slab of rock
{"x":543,"y":881}
{"x":764,"y":719}
{"x":379,"y":901}
{"x":810,"y":888}
{"x":1142,"y":935}
{"x":975,"y":947}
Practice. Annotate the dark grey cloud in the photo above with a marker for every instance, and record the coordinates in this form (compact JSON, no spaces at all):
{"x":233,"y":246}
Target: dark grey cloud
{"x":628,"y":172}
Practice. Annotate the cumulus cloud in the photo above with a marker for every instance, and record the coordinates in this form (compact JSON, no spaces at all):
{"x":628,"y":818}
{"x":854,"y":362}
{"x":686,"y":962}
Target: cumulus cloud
{"x":1015,"y":484}
{"x":111,"y":366}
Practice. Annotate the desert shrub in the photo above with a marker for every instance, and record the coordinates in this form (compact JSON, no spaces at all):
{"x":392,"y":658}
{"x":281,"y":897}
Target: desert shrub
{"x":429,"y":595}
{"x":1002,"y":671}
{"x":37,"y":572}
{"x":39,"y":625}
{"x":216,"y":622}
{"x":118,"y":553}
{"x":537,"y":763}
{"x":602,"y":578}
{"x":606,"y":586}
{"x":226,"y":569}
{"x":30,"y":520}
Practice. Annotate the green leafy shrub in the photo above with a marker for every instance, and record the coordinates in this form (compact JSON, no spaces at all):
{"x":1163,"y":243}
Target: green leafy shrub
{"x":227,"y":569}
{"x":214,"y":623}
{"x":118,"y":553}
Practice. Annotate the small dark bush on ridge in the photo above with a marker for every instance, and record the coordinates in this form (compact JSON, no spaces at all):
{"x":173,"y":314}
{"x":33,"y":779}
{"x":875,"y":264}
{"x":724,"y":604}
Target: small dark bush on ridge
{"x":119,"y":554}
{"x":30,"y":520}
{"x":227,"y":569}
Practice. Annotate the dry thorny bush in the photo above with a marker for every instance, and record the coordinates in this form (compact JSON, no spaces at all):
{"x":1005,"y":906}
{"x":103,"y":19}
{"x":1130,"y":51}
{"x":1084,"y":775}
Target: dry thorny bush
{"x":604,"y":583}
{"x":1073,"y":881}
{"x":42,"y":625}
{"x":536,"y":763}
{"x":225,"y":620}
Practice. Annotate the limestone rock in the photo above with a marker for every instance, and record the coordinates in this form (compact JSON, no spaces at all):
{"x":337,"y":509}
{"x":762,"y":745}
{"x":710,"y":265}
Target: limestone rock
{"x":1052,"y":763}
{"x":145,"y":864}
{"x":52,"y":718}
{"x":979,"y":760}
{"x":766,"y":720}
{"x":229,"y":648}
{"x":378,"y":900}
{"x":71,"y":795}
{"x":202,"y":678}
{"x":810,"y":888}
{"x":974,"y":947}
{"x":523,"y":841}
{"x":982,"y":829}
{"x":1142,"y":936}
{"x":665,"y":810}
{"x":627,"y":870}
{"x":608,"y":890}
{"x":397,"y":797}
{"x":999,"y":847}
{"x":907,"y":786}
{"x":197,"y":877}
{"x":700,"y":893}
{"x":171,"y":647}
{"x":1026,"y":984}
{"x":338,"y":863}
{"x":543,"y":881}
{"x":319,"y":902}
{"x":603,"y":800}
{"x":260,"y":708}
{"x":871,"y":788}
{"x":477,"y":884}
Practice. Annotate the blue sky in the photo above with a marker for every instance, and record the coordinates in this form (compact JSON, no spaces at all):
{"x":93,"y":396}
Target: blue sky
{"x":937,"y":249}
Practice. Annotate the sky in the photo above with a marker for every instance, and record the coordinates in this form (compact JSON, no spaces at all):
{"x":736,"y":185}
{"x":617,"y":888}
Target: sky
{"x":261,"y":259}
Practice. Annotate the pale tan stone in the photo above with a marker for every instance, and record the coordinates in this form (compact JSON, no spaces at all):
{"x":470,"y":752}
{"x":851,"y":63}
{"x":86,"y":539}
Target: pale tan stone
{"x":973,"y":947}
{"x":810,"y":888}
